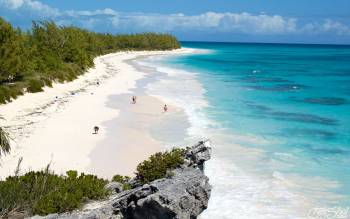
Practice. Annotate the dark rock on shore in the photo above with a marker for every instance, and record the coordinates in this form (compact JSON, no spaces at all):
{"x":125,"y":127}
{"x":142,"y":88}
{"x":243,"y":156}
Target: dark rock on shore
{"x":184,"y":194}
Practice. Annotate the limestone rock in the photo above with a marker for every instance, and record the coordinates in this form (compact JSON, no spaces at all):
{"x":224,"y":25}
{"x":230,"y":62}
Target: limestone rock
{"x":184,"y":195}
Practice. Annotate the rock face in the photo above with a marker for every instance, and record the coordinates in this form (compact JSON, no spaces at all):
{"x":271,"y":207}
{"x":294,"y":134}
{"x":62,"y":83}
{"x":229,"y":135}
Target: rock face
{"x":183,"y":195}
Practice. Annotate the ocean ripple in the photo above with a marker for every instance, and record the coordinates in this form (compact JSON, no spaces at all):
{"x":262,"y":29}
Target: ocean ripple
{"x":319,"y":133}
{"x":280,"y":87}
{"x":323,"y":100}
{"x":298,"y":117}
{"x":254,"y":79}
{"x":325,"y":150}
{"x":303,"y":117}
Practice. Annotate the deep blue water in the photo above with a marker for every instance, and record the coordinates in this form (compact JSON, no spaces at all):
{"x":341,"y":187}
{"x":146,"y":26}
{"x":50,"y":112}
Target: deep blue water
{"x":291,"y":104}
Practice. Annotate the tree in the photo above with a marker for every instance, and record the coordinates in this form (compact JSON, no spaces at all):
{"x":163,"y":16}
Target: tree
{"x":11,"y":49}
{"x":4,"y":142}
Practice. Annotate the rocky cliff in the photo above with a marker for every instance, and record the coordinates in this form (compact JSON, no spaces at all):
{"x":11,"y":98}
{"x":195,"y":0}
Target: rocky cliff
{"x":184,"y":194}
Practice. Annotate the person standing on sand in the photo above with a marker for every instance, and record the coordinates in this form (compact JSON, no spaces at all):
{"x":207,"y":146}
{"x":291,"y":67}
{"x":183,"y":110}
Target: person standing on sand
{"x":96,"y":128}
{"x":165,"y":108}
{"x":134,"y":99}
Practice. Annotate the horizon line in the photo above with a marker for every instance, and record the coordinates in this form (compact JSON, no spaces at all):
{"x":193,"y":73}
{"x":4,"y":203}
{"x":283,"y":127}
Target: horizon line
{"x":275,"y":43}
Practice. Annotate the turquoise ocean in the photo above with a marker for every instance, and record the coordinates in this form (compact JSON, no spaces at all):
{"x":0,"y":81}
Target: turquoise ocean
{"x":278,"y":117}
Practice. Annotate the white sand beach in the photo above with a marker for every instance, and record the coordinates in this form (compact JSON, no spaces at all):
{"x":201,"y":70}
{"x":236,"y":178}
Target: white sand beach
{"x":56,"y":126}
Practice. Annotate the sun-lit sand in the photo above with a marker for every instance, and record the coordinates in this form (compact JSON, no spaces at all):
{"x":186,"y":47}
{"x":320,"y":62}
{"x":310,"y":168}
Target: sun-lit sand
{"x":129,"y":140}
{"x":56,"y":126}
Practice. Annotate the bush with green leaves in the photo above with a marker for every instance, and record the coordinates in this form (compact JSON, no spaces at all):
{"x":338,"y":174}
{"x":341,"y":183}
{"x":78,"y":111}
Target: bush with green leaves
{"x":157,"y":165}
{"x":43,"y":192}
{"x":124,"y":180}
{"x":120,"y":178}
{"x":35,"y":85}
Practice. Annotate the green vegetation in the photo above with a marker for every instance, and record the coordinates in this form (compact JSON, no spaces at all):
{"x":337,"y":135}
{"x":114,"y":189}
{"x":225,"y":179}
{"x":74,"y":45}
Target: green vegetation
{"x":30,"y":60}
{"x":44,"y":192}
{"x":157,"y":165}
{"x":123,"y":180}
{"x":126,"y":186}
{"x":120,"y":178}
{"x":4,"y":142}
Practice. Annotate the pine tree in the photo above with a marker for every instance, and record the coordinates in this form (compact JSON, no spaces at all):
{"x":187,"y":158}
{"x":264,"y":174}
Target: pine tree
{"x":11,"y":48}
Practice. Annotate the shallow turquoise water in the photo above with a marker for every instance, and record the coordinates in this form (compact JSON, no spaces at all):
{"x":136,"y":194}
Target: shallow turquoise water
{"x":294,"y":100}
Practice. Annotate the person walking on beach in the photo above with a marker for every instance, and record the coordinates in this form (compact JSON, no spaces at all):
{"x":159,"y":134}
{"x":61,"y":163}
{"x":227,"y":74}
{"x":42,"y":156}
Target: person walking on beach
{"x":134,"y":99}
{"x":96,"y":128}
{"x":165,"y":108}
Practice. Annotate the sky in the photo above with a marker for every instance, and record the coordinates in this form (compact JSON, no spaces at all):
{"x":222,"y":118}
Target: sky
{"x":269,"y":21}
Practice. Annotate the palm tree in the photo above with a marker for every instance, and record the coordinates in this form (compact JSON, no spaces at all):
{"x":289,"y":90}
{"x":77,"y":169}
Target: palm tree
{"x":4,"y":142}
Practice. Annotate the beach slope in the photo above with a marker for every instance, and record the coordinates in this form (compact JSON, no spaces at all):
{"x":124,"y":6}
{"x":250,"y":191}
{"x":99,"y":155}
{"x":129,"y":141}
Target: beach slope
{"x":56,"y":126}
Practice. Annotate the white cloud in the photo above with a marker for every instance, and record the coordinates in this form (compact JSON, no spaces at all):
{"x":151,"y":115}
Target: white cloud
{"x":14,"y":4}
{"x":106,"y":11}
{"x":335,"y":27}
{"x":246,"y":23}
{"x":328,"y":26}
{"x":222,"y":22}
{"x":35,"y":6}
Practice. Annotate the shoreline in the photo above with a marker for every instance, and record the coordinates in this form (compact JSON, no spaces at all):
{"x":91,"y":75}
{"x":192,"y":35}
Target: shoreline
{"x":238,"y":177}
{"x":55,"y":126}
{"x":132,"y":136}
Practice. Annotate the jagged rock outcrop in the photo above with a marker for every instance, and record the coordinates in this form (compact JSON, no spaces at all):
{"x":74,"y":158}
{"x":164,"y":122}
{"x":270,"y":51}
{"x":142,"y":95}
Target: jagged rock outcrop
{"x":182,"y":195}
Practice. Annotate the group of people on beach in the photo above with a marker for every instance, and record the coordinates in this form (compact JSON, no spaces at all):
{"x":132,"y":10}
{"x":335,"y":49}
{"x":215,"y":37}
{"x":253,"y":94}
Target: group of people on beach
{"x":133,"y":101}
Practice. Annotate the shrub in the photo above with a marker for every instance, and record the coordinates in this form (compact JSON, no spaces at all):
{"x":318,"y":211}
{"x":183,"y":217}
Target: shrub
{"x":126,"y":186}
{"x":44,"y":192}
{"x":35,"y":85}
{"x":158,"y":164}
{"x":123,"y":180}
{"x":120,"y":178}
{"x":7,"y":92}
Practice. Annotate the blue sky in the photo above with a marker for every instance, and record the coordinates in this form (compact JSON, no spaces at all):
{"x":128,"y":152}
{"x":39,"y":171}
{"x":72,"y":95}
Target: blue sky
{"x":289,"y":21}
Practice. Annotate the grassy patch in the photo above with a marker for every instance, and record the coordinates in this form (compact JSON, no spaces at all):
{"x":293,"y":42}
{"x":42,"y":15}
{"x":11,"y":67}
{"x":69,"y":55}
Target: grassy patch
{"x":43,"y":192}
